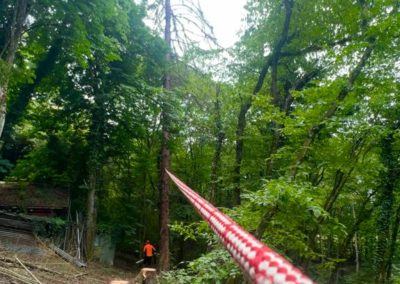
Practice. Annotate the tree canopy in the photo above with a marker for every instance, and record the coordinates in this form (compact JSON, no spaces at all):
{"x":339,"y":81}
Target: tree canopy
{"x":297,"y":138}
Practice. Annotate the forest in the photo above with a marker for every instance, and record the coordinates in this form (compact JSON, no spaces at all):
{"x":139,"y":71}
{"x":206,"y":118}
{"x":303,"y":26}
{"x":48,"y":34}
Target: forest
{"x":293,"y":132}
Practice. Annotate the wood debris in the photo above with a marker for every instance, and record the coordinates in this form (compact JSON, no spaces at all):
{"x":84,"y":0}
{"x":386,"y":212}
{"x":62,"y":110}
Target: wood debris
{"x":27,"y":270}
{"x":67,"y":256}
{"x":51,"y":268}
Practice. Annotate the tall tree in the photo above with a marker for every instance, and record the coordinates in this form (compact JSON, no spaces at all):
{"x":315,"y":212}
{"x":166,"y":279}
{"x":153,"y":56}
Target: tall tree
{"x":180,"y":18}
{"x":220,"y":136}
{"x":165,"y":148}
{"x":386,"y":211}
{"x":86,"y":83}
{"x":13,"y":17}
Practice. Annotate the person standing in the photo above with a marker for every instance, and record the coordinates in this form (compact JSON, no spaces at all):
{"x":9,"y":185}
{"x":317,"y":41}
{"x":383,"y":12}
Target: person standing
{"x":148,"y":251}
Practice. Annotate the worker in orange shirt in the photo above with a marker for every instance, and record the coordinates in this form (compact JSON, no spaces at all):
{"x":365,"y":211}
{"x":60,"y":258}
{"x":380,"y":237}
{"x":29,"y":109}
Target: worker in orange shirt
{"x":148,"y":251}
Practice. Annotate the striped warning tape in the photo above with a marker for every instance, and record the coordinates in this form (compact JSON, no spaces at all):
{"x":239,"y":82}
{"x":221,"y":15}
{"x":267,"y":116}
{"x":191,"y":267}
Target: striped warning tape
{"x":261,"y":264}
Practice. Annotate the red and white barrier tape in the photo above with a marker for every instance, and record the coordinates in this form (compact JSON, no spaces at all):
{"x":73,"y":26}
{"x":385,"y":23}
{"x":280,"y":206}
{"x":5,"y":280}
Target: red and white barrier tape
{"x":262,"y":264}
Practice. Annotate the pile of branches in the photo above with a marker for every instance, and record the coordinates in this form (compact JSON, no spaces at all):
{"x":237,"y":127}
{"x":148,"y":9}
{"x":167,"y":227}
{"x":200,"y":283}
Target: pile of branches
{"x":25,"y":272}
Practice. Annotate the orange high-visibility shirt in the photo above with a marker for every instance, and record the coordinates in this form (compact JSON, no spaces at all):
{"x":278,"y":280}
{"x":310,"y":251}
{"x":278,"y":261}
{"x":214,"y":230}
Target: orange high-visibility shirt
{"x":148,"y":249}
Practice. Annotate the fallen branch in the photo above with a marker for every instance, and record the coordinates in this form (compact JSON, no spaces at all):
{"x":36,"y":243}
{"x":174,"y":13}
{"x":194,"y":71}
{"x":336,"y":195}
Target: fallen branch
{"x":67,"y":256}
{"x":15,"y":275}
{"x":94,"y":279}
{"x":54,"y":280}
{"x":80,"y":275}
{"x":31,"y":266}
{"x":34,"y":277}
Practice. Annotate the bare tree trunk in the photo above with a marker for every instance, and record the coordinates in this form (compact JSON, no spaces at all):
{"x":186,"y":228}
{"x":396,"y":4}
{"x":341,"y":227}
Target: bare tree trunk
{"x":220,"y":135}
{"x":165,"y":152}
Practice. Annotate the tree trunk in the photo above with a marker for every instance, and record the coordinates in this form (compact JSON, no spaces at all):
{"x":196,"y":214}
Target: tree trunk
{"x":91,"y":218}
{"x":385,"y":213}
{"x":339,"y":183}
{"x":244,"y":108}
{"x":96,"y":142}
{"x":363,"y":215}
{"x":7,"y":53}
{"x":273,"y":61}
{"x":393,"y":245}
{"x":165,"y":152}
{"x":220,"y":135}
{"x":3,"y":106}
{"x":275,"y":144}
{"x":96,"y":158}
{"x":267,"y":216}
{"x":356,"y":242}
{"x":284,"y":105}
{"x":17,"y":106}
{"x":164,"y":205}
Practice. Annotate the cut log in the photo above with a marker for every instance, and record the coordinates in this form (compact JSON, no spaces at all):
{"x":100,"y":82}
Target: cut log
{"x":67,"y":256}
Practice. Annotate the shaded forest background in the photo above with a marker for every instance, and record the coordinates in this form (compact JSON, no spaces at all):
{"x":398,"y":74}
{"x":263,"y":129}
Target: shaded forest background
{"x":293,"y":132}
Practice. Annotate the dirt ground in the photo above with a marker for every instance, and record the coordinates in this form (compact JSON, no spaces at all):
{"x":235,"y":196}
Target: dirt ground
{"x":48,"y":267}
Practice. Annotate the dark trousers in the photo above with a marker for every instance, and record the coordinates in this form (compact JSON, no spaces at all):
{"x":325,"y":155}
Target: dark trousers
{"x":147,"y":260}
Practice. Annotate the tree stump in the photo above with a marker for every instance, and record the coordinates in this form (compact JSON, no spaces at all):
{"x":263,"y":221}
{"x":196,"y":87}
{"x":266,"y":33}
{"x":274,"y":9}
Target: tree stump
{"x":146,"y":276}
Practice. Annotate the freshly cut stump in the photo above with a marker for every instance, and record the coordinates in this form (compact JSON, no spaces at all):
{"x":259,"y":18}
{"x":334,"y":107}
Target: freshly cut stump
{"x":146,"y":276}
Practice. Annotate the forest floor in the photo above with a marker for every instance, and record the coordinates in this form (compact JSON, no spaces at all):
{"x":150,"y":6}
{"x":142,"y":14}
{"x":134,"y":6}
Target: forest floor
{"x":48,"y":267}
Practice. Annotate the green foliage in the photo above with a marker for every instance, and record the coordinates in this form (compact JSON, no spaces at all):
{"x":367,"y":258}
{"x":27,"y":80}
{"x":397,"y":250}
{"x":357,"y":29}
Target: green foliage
{"x":4,"y":71}
{"x":298,"y":209}
{"x":216,"y":267}
{"x":84,"y":101}
{"x":193,"y":231}
{"x":48,"y":227}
